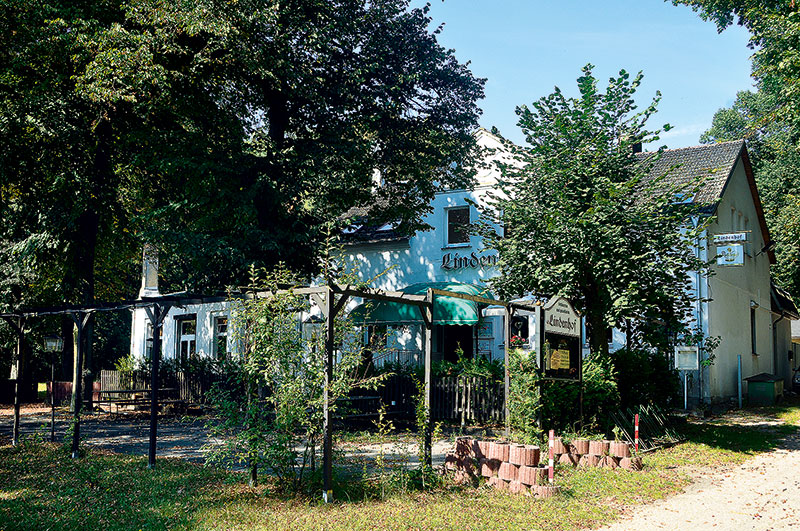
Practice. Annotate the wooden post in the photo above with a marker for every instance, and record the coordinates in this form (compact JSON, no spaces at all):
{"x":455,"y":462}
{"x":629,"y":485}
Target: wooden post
{"x":427,"y":317}
{"x":156,"y":316}
{"x":507,"y":381}
{"x":327,"y":428}
{"x":81,"y":319}
{"x":18,"y":369}
{"x":53,"y":400}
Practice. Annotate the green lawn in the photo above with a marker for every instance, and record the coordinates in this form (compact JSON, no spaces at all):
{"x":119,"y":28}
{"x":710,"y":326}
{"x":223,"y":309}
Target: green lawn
{"x":42,"y":488}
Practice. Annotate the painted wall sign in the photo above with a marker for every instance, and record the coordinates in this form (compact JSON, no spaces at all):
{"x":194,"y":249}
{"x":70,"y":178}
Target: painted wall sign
{"x":730,"y":255}
{"x":730,"y":237}
{"x":560,"y":318}
{"x":455,"y":261}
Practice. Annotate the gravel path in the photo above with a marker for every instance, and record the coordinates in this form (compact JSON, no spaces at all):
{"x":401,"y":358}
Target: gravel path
{"x":763,"y":493}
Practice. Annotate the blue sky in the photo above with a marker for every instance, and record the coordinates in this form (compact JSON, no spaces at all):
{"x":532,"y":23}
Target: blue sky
{"x":525,"y":48}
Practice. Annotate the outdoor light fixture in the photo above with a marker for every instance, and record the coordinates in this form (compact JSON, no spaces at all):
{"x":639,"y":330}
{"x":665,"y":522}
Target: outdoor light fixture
{"x":53,"y":343}
{"x":768,"y":247}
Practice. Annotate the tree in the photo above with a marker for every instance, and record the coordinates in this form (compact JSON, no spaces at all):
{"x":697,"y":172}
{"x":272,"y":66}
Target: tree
{"x":584,"y":219}
{"x":775,"y":36}
{"x":228,"y":133}
{"x":774,"y":145}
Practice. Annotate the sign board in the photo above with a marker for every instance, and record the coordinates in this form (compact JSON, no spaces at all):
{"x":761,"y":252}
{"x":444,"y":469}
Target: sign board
{"x":687,"y":358}
{"x":559,"y":340}
{"x":730,"y":255}
{"x":730,"y":237}
{"x":561,"y":318}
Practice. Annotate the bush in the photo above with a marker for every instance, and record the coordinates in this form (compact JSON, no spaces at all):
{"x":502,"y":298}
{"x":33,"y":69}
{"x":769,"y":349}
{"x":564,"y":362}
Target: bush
{"x":645,"y":377}
{"x":556,"y":403}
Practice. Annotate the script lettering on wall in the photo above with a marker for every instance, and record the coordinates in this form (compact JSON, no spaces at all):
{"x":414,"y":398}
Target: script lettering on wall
{"x":455,"y":261}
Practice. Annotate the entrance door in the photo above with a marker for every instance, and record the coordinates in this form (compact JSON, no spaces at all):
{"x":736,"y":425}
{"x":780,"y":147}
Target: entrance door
{"x":455,"y":337}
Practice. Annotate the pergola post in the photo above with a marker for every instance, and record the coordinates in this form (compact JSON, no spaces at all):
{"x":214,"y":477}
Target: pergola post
{"x":427,"y":318}
{"x":507,"y":380}
{"x":81,"y":319}
{"x":156,"y":316}
{"x":330,"y":309}
{"x":18,"y":369}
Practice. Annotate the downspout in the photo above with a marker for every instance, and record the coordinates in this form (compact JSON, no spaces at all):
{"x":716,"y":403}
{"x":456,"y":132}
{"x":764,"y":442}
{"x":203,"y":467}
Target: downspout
{"x":775,"y":342}
{"x":699,"y":313}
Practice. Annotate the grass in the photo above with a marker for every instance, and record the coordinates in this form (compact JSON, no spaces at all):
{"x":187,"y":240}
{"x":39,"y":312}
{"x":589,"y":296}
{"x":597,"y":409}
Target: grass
{"x":42,"y":488}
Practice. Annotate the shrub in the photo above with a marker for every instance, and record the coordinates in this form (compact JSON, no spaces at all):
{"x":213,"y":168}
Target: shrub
{"x":645,"y":377}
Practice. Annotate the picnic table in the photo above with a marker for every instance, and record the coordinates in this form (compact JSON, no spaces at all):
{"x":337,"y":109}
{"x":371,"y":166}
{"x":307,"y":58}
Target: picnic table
{"x":137,"y":397}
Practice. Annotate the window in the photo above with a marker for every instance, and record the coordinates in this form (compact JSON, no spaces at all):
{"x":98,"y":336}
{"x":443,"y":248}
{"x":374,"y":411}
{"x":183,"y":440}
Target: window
{"x":458,"y":225}
{"x":753,"y":331}
{"x":186,"y":328}
{"x":221,"y":337}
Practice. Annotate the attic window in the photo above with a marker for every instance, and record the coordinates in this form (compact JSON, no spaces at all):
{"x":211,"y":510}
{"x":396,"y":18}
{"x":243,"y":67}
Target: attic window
{"x":682,"y":198}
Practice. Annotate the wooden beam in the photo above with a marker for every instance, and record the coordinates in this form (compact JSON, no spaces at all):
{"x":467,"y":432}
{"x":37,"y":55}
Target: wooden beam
{"x":156,"y":314}
{"x":19,"y":369}
{"x":81,"y":319}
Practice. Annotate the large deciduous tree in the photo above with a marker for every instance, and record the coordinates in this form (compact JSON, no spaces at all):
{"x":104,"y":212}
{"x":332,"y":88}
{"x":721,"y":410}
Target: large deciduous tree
{"x":584,"y":218}
{"x":228,"y":133}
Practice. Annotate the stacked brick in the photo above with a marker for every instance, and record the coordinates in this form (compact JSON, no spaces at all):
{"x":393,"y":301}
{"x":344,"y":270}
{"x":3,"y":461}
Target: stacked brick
{"x":516,"y":468}
{"x":510,"y":467}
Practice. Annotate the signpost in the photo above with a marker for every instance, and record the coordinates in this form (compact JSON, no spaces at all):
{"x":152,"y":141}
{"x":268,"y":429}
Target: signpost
{"x":687,"y":358}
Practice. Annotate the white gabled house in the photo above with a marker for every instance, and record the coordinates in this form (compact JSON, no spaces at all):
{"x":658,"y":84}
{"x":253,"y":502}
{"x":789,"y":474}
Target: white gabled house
{"x":751,"y":317}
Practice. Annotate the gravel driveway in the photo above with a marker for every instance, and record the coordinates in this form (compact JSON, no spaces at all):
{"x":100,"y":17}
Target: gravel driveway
{"x":763,"y":493}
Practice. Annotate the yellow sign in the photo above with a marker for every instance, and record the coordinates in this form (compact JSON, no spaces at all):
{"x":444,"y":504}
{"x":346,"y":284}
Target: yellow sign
{"x":559,"y":359}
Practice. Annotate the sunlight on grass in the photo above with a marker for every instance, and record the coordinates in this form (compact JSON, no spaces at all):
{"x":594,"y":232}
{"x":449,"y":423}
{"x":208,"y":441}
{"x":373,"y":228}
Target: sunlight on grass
{"x":43,"y":488}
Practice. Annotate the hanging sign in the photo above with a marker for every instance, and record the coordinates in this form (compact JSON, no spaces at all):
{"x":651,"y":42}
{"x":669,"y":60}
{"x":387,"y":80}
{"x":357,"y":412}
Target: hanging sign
{"x":730,"y":237}
{"x":730,"y":255}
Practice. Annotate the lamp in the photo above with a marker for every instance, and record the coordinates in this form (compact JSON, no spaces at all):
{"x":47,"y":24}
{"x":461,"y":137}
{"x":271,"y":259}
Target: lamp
{"x":53,"y":343}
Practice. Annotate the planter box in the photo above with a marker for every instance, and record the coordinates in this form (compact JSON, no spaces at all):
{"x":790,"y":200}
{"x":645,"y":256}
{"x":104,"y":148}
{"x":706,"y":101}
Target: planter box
{"x":501,"y":450}
{"x":532,"y":455}
{"x":559,"y":447}
{"x":516,"y":455}
{"x":589,"y":460}
{"x":631,"y":463}
{"x":489,"y":467}
{"x":609,"y":461}
{"x":568,"y":459}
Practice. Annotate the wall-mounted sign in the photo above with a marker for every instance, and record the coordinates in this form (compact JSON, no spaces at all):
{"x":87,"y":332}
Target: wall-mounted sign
{"x":455,"y":261}
{"x":730,"y":255}
{"x":561,"y":318}
{"x":730,"y":237}
{"x":687,"y":358}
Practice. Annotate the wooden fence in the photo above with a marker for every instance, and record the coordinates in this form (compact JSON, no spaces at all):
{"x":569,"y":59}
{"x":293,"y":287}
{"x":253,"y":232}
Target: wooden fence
{"x":453,"y":398}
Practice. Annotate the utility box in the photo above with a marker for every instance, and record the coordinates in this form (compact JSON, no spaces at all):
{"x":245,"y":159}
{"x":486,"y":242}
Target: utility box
{"x":764,"y":389}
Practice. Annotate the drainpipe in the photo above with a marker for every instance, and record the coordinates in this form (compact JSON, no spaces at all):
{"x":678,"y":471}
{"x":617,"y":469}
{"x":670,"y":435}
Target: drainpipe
{"x":775,"y":343}
{"x":699,"y":313}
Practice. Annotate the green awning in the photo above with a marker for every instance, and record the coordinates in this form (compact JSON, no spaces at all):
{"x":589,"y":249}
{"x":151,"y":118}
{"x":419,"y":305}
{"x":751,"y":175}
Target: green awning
{"x":446,"y":310}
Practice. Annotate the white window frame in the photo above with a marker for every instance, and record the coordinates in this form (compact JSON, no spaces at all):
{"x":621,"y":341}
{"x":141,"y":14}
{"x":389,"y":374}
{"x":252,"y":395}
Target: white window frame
{"x":447,"y":211}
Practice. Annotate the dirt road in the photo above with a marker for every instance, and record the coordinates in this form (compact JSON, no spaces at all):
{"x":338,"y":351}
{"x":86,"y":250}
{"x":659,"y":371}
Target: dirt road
{"x":763,"y":493}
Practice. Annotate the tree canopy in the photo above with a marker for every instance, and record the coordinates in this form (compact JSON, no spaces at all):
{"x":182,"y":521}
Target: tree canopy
{"x":584,"y":219}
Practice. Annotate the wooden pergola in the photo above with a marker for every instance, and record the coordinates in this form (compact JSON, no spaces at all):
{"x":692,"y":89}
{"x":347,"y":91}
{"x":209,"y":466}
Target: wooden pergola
{"x":330,"y":299}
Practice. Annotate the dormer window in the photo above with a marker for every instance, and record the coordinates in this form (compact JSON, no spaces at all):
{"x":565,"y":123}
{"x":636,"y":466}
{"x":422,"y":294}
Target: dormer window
{"x":458,"y":225}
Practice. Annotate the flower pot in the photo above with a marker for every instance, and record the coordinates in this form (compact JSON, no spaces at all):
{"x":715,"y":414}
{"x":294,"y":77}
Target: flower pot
{"x":559,"y":447}
{"x":478,"y":449}
{"x":598,"y":447}
{"x":508,"y":472}
{"x":620,"y":449}
{"x":501,"y":451}
{"x":580,"y":446}
{"x":515,"y":487}
{"x":489,"y":467}
{"x":589,"y":460}
{"x":532,"y":455}
{"x":516,"y":454}
{"x":568,"y":459}
{"x":631,"y":463}
{"x":609,"y":461}
{"x":463,"y":447}
{"x":544,"y":491}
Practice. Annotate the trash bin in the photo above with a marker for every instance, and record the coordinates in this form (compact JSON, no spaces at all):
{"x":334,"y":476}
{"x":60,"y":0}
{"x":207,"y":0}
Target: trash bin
{"x":764,"y":389}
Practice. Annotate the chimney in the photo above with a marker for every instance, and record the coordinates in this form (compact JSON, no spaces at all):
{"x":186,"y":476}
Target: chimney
{"x":149,"y":272}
